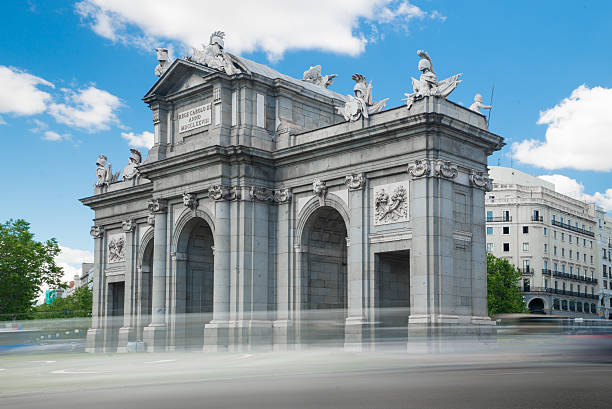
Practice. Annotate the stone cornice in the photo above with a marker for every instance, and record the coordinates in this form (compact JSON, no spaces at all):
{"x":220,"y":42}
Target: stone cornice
{"x":129,"y":194}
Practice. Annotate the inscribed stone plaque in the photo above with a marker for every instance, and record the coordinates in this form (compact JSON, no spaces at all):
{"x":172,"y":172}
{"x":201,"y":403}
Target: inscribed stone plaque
{"x":391,"y":203}
{"x":193,"y":118}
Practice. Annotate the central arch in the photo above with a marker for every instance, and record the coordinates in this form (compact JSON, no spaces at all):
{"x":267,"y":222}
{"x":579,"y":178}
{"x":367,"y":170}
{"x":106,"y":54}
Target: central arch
{"x":324,"y":292}
{"x":194,"y":282}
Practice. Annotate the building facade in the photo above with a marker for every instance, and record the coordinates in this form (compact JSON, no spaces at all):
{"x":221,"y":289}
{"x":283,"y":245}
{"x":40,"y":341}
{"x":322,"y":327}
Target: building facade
{"x":551,"y":238}
{"x":259,"y":204}
{"x":604,"y":241}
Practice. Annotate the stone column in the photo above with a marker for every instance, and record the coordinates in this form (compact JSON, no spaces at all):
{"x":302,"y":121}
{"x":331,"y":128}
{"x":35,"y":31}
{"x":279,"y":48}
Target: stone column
{"x":95,"y":335}
{"x":127,"y":332}
{"x":155,"y":333}
{"x":285,"y":282}
{"x":216,"y":331}
{"x":356,"y":323}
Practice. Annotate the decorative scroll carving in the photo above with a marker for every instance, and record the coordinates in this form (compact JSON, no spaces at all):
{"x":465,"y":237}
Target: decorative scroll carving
{"x":282,"y":196}
{"x":116,"y":249}
{"x":96,"y":232}
{"x":362,"y":103}
{"x":355,"y":181}
{"x":391,"y":202}
{"x":428,"y":84}
{"x":320,"y":189}
{"x":157,"y":205}
{"x":313,"y":75}
{"x":221,"y":192}
{"x":128,"y":225}
{"x":261,"y":194}
{"x":481,"y":181}
{"x":190,"y":201}
{"x":419,"y":168}
{"x":446,"y":169}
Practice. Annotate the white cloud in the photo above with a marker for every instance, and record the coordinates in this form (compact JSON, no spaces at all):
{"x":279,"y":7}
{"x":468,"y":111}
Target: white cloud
{"x":273,"y":26}
{"x":142,"y":140}
{"x":579,"y":133}
{"x":20,"y":93}
{"x":52,"y":136}
{"x":572,"y":188}
{"x":70,"y":260}
{"x":91,"y":109}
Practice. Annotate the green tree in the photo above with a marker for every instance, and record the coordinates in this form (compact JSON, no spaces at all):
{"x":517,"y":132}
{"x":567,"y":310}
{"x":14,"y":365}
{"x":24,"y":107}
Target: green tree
{"x":25,"y":266}
{"x":77,"y":304}
{"x":503,"y":293}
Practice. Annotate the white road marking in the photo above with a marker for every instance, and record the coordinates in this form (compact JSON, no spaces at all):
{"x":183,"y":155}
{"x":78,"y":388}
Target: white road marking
{"x":161,"y":361}
{"x":244,"y":356}
{"x":66,"y":371}
{"x":44,"y":362}
{"x":519,"y":373}
{"x":3,"y":369}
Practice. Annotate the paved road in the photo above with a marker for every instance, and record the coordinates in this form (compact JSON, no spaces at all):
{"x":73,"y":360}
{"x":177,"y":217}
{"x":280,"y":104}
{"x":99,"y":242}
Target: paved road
{"x":306,"y":380}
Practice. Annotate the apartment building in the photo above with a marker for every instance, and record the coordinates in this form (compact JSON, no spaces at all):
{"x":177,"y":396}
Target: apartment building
{"x":552,"y":239}
{"x":604,"y":241}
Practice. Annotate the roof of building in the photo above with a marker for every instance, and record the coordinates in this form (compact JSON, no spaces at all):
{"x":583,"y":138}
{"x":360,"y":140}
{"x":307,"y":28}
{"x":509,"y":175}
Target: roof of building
{"x":510,"y":176}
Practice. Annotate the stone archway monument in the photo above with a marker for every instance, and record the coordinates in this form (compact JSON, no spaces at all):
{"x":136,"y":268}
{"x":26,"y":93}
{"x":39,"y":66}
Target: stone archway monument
{"x":273,"y":169}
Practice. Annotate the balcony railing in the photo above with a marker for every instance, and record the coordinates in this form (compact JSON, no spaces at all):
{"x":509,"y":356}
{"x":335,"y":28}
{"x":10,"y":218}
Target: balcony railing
{"x":574,"y":277}
{"x":572,"y":228}
{"x":499,"y":219}
{"x":546,"y":272}
{"x":537,"y":218}
{"x":526,"y":271}
{"x":559,"y":292}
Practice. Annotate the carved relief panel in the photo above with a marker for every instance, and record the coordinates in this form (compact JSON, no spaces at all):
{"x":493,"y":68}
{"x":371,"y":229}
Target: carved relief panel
{"x":116,"y":248}
{"x":391,"y":203}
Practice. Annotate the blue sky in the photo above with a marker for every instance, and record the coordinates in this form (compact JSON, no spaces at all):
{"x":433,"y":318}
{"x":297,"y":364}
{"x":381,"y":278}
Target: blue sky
{"x":72,"y":75}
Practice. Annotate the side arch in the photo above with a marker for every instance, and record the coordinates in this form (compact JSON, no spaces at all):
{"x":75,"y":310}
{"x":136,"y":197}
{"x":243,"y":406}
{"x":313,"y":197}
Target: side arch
{"x":312,"y":206}
{"x":144,"y":242}
{"x":186,"y":216}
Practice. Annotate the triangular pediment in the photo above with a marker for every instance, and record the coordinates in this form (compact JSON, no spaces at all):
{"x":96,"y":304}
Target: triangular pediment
{"x":181,"y":75}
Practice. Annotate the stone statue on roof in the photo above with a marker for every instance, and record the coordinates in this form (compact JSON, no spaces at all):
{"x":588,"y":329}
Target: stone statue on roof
{"x":313,"y":74}
{"x":214,"y":56}
{"x":428,"y":84}
{"x":130,"y":171}
{"x":478,"y":105}
{"x":104,"y":175}
{"x":362,"y":104}
{"x":164,"y":61}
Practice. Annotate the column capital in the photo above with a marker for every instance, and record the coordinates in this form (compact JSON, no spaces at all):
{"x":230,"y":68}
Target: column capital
{"x":283,"y":195}
{"x":445,"y":169}
{"x":480,"y":181}
{"x":355,"y":181}
{"x":96,"y":232}
{"x":128,"y":225}
{"x":157,"y":205}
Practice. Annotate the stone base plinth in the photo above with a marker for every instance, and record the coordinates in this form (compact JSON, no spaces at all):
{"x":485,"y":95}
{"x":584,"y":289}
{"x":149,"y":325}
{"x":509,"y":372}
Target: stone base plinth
{"x":283,"y":333}
{"x":95,"y":340}
{"x":356,"y":335}
{"x":249,"y":335}
{"x":154,"y":337}
{"x":216,"y":336}
{"x":126,"y":335}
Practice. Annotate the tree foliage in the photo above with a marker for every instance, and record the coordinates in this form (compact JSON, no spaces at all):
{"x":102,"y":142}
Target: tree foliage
{"x":77,"y":304}
{"x":503,"y":293}
{"x":25,"y":266}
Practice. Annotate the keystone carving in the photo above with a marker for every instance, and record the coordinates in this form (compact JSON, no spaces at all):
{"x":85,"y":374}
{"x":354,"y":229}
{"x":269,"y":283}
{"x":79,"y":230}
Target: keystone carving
{"x":320,"y":189}
{"x":479,"y":180}
{"x":151,"y":219}
{"x":419,"y":168}
{"x":190,"y":201}
{"x":355,"y":181}
{"x":96,"y":232}
{"x":128,"y":225}
{"x":446,"y":169}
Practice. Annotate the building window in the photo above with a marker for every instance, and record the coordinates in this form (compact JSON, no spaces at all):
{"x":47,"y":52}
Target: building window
{"x":545,"y":265}
{"x":579,"y":306}
{"x":563,"y":271}
{"x":571,"y":287}
{"x":545,"y":248}
{"x":562,"y":252}
{"x":554,"y":217}
{"x":489,"y":230}
{"x":555,"y":267}
{"x":555,"y":250}
{"x":605,"y":284}
{"x":545,"y":283}
{"x":562,"y":236}
{"x":578,"y":255}
{"x":556,"y":304}
{"x":564,"y":305}
{"x":545,"y":231}
{"x":591,"y":243}
{"x":570,"y":253}
{"x":584,"y":257}
{"x":555,"y":234}
{"x":578,"y":288}
{"x":506,"y":246}
{"x":583,"y":242}
{"x":525,"y":246}
{"x":506,"y":230}
{"x":591,"y":259}
{"x":556,"y":285}
{"x":571,"y":269}
{"x":593,"y":309}
{"x":525,"y":229}
{"x":563,"y":283}
{"x":506,"y":215}
{"x":490,"y":247}
{"x":489,"y":215}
